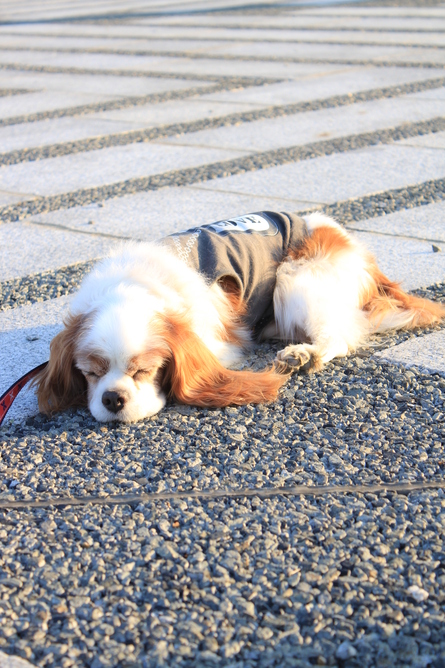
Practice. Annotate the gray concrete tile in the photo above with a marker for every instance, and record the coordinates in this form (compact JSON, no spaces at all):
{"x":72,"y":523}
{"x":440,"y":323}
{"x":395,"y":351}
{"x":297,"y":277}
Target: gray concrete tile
{"x":94,"y":168}
{"x":166,"y":39}
{"x":339,"y":176}
{"x":46,"y":100}
{"x":107,"y":85}
{"x":260,"y":50}
{"x":172,"y":112}
{"x":301,"y":89}
{"x":152,"y":215}
{"x":436,"y":140}
{"x":411,"y":262}
{"x":8,"y":197}
{"x":177,"y":66}
{"x":313,"y":126}
{"x":30,"y":103}
{"x":319,"y":85}
{"x":42,"y":133}
{"x":332,"y":51}
{"x":423,"y":222}
{"x":25,"y":335}
{"x":248,"y":29}
{"x":9,"y":661}
{"x":46,"y":248}
{"x":427,"y":352}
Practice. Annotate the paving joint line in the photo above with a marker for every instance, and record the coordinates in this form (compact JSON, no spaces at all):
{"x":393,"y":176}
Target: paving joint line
{"x":222,"y":169}
{"x":398,"y":236}
{"x":54,"y":283}
{"x":261,"y":492}
{"x":175,"y":129}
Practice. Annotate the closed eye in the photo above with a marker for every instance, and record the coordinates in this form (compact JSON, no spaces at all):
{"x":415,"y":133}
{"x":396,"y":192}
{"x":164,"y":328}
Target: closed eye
{"x":141,"y":374}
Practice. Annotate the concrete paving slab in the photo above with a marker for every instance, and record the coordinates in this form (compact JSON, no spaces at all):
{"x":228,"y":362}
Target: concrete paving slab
{"x":133,"y":34}
{"x":353,"y":13}
{"x":9,"y":661}
{"x":413,"y":263}
{"x":146,"y":216}
{"x":176,"y":66}
{"x":426,"y":352}
{"x":437,"y":94}
{"x":436,"y":140}
{"x":108,"y":165}
{"x":304,"y":88}
{"x":409,"y":19}
{"x":313,"y":126}
{"x":333,"y":51}
{"x":31,"y":103}
{"x":42,"y":133}
{"x":370,"y":12}
{"x":231,"y":50}
{"x":25,"y":335}
{"x":319,"y":85}
{"x":116,"y":86}
{"x":46,"y":248}
{"x":423,"y":222}
{"x":208,"y":38}
{"x":356,"y":173}
{"x":7,"y":197}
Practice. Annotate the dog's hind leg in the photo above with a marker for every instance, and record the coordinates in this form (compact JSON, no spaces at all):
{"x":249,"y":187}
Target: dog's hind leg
{"x":311,"y":357}
{"x":316,"y":301}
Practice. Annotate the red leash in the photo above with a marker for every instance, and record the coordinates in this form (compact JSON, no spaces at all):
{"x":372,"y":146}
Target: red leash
{"x":7,"y":399}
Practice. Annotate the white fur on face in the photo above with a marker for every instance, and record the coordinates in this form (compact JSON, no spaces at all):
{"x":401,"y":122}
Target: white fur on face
{"x":121,"y":331}
{"x":142,"y":399}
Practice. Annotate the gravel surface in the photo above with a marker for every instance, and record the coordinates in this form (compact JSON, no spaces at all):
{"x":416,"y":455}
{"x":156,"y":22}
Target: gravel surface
{"x":350,"y":579}
{"x":125,"y":138}
{"x":7,"y":92}
{"x":296,"y":581}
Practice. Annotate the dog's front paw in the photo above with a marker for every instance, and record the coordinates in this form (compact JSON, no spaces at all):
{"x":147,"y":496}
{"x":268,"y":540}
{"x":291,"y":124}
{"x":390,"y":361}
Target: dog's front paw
{"x":301,"y":357}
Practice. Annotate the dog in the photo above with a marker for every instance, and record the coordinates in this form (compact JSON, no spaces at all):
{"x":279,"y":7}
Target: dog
{"x":168,"y":319}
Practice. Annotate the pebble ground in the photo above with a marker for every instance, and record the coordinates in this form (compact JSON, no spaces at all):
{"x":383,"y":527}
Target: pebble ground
{"x":351,"y":579}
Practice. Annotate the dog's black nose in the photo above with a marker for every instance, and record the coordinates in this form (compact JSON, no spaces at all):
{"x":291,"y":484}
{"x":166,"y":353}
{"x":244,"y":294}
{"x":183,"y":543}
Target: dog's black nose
{"x":113,"y":401}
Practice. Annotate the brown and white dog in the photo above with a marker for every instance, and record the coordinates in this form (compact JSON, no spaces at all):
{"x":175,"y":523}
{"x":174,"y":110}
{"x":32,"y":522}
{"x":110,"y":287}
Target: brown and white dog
{"x":145,"y":325}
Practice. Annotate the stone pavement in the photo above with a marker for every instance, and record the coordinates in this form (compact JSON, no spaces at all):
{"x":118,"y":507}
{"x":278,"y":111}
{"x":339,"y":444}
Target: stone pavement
{"x":122,"y":121}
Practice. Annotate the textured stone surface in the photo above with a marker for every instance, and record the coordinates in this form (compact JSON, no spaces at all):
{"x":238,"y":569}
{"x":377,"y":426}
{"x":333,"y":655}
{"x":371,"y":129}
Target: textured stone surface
{"x":349,"y":580}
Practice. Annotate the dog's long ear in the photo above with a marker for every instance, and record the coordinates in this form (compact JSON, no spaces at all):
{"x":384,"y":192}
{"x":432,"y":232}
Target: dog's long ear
{"x":61,"y":385}
{"x":195,"y":376}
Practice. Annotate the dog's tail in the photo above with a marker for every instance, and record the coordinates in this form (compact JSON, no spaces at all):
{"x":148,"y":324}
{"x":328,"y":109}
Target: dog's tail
{"x":389,"y":307}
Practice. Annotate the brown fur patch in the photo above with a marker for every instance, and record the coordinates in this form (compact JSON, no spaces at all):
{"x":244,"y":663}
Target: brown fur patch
{"x":324,"y":241}
{"x":195,"y":376}
{"x":384,"y":297}
{"x":94,"y":363}
{"x":61,"y":385}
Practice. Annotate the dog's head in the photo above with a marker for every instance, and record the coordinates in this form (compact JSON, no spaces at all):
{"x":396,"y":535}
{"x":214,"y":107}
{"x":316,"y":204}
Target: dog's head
{"x":113,"y":359}
{"x":136,"y":335}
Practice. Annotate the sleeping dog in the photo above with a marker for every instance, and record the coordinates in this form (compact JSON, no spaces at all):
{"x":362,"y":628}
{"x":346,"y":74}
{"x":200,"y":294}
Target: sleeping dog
{"x":170,"y":318}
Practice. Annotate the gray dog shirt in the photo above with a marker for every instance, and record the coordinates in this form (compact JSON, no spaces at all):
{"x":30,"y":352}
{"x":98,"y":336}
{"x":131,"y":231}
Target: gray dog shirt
{"x":247,"y":249}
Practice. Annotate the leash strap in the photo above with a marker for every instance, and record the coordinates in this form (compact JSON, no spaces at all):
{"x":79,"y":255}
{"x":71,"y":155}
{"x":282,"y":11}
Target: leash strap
{"x":7,"y":399}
